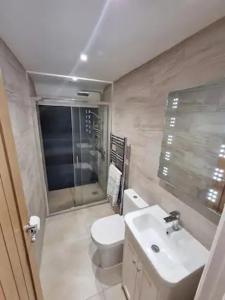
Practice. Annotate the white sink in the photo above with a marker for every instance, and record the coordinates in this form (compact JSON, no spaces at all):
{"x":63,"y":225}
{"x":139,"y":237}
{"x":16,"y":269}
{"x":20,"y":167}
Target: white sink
{"x":180,"y":254}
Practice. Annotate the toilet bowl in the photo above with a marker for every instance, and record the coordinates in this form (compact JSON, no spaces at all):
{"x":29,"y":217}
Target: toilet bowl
{"x":108,"y":233}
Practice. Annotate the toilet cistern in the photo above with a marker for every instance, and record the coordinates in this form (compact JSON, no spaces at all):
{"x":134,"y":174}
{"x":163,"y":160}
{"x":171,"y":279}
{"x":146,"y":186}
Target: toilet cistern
{"x":174,"y":217}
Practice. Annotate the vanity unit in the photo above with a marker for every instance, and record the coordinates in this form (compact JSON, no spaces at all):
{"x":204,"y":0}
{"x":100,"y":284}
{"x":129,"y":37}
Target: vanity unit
{"x":137,"y":282}
{"x":159,"y":264}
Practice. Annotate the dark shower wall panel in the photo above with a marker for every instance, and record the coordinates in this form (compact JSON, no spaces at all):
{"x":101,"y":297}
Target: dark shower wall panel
{"x":56,"y":129}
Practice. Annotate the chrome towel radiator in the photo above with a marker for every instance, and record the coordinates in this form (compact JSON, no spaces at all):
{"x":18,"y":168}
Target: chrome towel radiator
{"x":119,"y":157}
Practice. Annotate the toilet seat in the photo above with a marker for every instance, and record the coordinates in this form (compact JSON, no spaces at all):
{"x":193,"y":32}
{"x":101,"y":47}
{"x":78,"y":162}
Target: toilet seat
{"x":108,"y":231}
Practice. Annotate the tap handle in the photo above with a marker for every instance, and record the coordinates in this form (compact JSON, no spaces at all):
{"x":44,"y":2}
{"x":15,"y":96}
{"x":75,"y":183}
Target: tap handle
{"x":169,"y":219}
{"x":175,"y":213}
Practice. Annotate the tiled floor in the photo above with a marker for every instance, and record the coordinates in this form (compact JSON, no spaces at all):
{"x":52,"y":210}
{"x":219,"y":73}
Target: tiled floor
{"x":70,"y":268}
{"x":113,"y":293}
{"x":69,"y":197}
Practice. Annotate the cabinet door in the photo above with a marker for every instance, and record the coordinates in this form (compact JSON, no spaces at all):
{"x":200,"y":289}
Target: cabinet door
{"x":138,"y":280}
{"x":147,"y":290}
{"x":129,"y":270}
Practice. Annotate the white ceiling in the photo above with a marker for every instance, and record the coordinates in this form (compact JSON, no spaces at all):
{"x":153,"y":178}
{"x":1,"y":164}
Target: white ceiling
{"x":118,"y":35}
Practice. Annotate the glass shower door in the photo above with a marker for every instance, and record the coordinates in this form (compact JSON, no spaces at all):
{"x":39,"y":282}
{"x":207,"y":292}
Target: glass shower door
{"x":75,"y":142}
{"x":89,"y":155}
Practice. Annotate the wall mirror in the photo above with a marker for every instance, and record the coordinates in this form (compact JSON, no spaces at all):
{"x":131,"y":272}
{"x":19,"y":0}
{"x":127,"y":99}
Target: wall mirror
{"x":192,"y":160}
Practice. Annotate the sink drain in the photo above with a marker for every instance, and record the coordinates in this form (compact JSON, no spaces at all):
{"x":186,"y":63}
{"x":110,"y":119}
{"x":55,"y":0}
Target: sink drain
{"x":155,"y":248}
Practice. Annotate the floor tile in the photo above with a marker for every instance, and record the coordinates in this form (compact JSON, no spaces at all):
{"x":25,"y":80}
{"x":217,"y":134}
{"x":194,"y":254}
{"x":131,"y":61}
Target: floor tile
{"x":99,"y":296}
{"x":70,"y":264}
{"x":114,"y":293}
{"x":110,"y":276}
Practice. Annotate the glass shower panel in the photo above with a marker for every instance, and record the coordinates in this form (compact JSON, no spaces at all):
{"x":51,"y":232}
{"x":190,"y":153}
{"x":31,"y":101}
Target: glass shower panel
{"x":57,"y":141}
{"x":89,"y":172}
{"x":76,"y":127}
{"x":75,"y":144}
{"x":102,"y":146}
{"x":89,"y":155}
{"x":56,"y":130}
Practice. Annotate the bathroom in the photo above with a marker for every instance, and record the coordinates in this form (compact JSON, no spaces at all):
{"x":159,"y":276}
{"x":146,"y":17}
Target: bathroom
{"x":71,"y":89}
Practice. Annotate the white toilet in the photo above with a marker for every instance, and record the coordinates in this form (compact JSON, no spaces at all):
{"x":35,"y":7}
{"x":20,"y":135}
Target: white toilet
{"x":108,"y":233}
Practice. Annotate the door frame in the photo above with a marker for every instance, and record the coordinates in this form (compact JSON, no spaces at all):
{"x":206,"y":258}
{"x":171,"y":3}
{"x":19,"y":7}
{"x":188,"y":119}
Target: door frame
{"x":213,"y":275}
{"x":18,"y":203}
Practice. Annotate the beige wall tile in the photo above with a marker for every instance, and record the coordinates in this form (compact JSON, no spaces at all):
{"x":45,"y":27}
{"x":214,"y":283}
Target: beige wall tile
{"x":138,"y":109}
{"x":24,"y":124}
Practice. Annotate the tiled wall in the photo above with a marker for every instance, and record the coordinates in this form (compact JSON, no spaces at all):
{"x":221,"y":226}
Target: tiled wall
{"x":138,"y":109}
{"x":24,"y":124}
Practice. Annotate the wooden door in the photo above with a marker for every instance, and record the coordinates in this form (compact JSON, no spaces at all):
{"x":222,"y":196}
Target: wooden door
{"x":129,"y":271}
{"x":19,"y":277}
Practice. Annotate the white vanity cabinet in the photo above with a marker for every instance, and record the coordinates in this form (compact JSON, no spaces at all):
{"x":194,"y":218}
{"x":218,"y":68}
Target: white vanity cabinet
{"x":157,"y":266}
{"x":146,"y":289}
{"x":136,"y":282}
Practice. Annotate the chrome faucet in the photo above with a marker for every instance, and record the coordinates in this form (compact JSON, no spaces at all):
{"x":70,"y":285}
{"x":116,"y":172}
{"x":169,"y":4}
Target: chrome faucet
{"x":174,"y":216}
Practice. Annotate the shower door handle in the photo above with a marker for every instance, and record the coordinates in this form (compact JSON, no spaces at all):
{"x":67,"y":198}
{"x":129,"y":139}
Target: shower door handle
{"x":77,"y":160}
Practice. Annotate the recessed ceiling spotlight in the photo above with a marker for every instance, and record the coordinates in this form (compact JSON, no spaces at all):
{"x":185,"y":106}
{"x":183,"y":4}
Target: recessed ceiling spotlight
{"x":83,"y":57}
{"x":74,"y":78}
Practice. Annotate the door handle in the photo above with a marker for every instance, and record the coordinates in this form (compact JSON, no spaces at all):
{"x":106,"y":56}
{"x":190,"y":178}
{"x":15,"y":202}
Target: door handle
{"x":33,"y":230}
{"x":33,"y":227}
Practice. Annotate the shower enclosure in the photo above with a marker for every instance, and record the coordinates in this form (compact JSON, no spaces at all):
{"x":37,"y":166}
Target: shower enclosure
{"x":75,"y":147}
{"x":74,"y":124}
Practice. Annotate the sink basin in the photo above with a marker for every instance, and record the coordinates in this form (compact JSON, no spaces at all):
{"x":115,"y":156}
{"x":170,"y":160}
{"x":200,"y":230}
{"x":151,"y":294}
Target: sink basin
{"x":174,"y":256}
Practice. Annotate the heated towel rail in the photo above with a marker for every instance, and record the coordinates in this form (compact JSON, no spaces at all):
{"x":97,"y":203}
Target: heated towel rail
{"x":119,"y":157}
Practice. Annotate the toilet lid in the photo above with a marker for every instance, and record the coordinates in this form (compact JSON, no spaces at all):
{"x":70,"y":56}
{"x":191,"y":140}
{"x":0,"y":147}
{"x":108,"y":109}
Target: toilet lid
{"x":109,"y":231}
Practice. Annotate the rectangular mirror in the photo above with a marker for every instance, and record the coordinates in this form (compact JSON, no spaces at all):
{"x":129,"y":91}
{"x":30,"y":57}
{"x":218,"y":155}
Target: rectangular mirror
{"x":192,"y":160}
